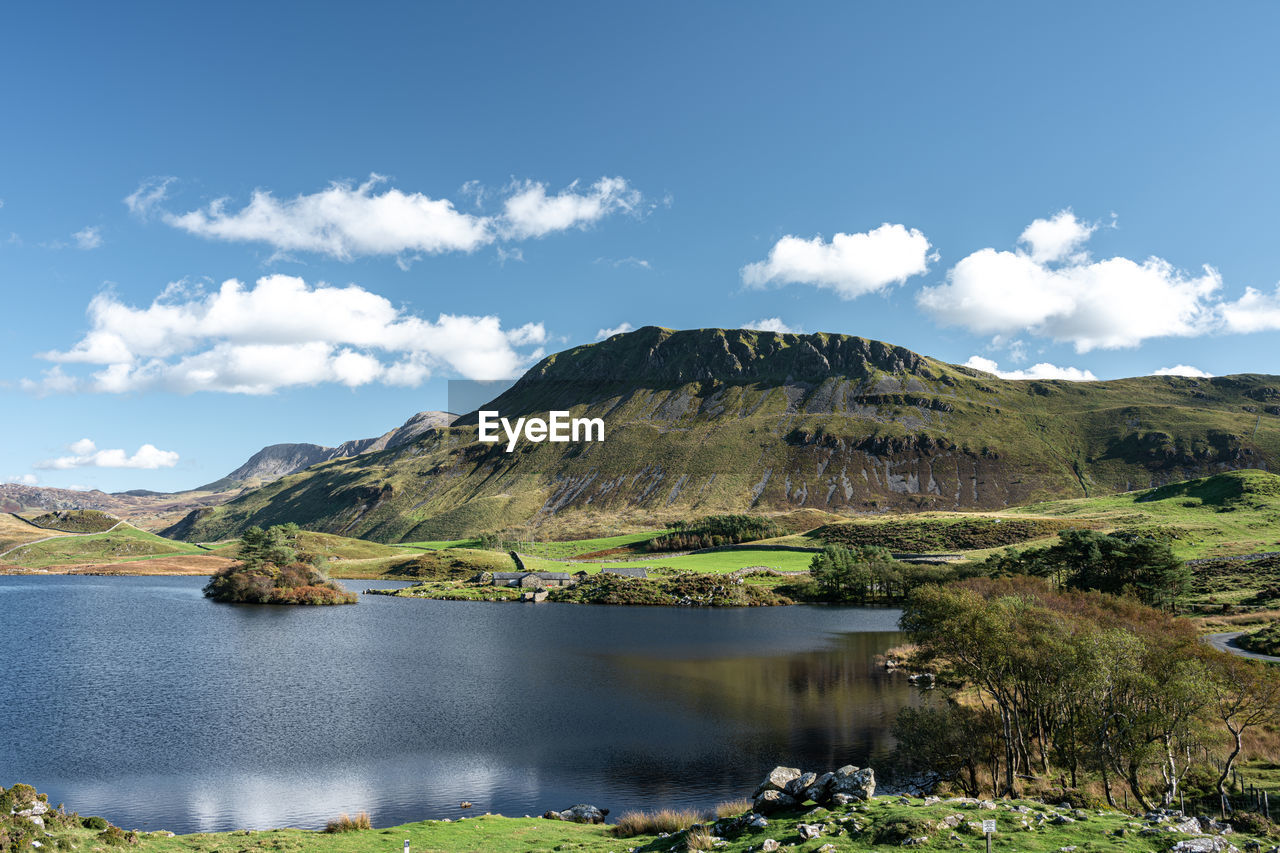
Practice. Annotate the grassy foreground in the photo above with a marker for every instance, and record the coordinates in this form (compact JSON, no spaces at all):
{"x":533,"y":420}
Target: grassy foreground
{"x":884,"y":822}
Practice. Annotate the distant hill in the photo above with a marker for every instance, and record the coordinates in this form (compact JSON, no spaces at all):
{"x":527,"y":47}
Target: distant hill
{"x":716,"y":420}
{"x":164,"y":508}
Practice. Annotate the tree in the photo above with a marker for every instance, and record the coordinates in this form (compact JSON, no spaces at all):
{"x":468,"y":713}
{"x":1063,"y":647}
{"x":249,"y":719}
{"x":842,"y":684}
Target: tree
{"x":1245,"y":694}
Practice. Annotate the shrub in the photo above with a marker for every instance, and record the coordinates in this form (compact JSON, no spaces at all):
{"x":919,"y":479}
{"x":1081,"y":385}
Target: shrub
{"x":1252,"y":823}
{"x":1076,"y":798}
{"x":95,"y":822}
{"x":117,"y":837}
{"x":652,"y":823}
{"x":346,"y":823}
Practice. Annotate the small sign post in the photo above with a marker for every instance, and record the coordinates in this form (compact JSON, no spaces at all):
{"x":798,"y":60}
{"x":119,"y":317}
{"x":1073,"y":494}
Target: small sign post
{"x":406,"y":845}
{"x":988,"y":827}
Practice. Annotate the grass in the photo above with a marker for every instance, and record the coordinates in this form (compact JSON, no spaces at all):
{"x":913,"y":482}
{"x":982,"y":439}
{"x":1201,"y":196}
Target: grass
{"x":631,"y":824}
{"x":1223,"y":515}
{"x":715,"y":562}
{"x":848,"y":829}
{"x":1265,"y":640}
{"x":346,"y":823}
{"x":15,"y":530}
{"x":76,"y":521}
{"x":730,"y":560}
{"x":732,"y":808}
{"x":125,"y":543}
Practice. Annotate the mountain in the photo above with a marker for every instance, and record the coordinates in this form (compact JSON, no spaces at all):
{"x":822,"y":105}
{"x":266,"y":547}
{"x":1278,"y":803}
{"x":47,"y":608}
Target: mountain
{"x":716,"y":420}
{"x":277,"y":460}
{"x":269,"y":463}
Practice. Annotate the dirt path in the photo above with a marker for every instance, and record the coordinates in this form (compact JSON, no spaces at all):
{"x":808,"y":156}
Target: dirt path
{"x":1226,"y":642}
{"x":63,"y":536}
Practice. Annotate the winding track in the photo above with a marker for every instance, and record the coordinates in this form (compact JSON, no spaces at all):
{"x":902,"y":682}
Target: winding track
{"x":1226,"y":642}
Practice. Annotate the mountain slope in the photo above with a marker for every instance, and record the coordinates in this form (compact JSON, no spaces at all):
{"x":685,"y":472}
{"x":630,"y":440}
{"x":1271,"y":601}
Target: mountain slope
{"x":716,"y":420}
{"x":276,"y":460}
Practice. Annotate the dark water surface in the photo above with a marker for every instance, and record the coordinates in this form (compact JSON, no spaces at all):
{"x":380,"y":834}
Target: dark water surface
{"x":137,"y":699}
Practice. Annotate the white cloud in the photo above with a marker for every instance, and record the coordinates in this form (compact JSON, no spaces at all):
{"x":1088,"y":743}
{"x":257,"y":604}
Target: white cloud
{"x":21,"y":479}
{"x":148,"y":197}
{"x":85,"y":454}
{"x":348,"y":220}
{"x":51,"y":381}
{"x":1255,"y":311}
{"x":851,"y":264}
{"x":279,"y":333}
{"x":88,"y":238}
{"x":530,"y":212}
{"x":343,"y":221}
{"x":620,"y":329}
{"x":1182,"y":370}
{"x":1105,"y":304}
{"x":631,"y":261}
{"x":1056,"y":238}
{"x":771,"y":324}
{"x":1043,"y":370}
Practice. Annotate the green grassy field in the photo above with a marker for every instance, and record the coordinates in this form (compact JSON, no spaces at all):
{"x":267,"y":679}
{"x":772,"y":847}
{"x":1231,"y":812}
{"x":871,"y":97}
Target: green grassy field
{"x":124,"y":544}
{"x":880,"y":824}
{"x":1226,"y":514}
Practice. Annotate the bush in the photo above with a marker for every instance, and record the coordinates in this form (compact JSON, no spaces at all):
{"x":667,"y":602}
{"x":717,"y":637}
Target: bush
{"x":1252,"y":823}
{"x":98,"y":823}
{"x":346,"y":823}
{"x":1075,"y":798}
{"x":117,"y":837}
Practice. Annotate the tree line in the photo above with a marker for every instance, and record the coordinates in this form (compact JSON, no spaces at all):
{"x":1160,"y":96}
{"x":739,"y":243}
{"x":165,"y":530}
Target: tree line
{"x":714,"y":531}
{"x":1143,"y":569}
{"x":1052,"y":684}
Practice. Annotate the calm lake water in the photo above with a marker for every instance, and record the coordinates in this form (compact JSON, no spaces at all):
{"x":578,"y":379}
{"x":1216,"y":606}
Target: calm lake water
{"x":139,"y":700}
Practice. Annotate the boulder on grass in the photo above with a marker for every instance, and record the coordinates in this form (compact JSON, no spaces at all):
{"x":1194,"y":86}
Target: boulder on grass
{"x":580,"y":813}
{"x":772,"y":801}
{"x":777,"y":780}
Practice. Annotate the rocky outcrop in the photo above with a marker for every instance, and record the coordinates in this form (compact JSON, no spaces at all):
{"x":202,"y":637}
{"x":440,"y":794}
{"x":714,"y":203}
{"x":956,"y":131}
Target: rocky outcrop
{"x":788,"y":787}
{"x":580,"y":813}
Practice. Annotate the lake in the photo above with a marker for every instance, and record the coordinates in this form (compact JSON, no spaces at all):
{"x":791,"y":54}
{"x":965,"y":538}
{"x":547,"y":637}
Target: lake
{"x":137,"y":699}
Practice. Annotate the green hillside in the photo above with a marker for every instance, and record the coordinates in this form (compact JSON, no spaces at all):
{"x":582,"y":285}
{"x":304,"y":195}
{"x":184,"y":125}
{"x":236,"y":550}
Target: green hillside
{"x":1223,"y":515}
{"x":713,"y":421}
{"x":122,"y":544}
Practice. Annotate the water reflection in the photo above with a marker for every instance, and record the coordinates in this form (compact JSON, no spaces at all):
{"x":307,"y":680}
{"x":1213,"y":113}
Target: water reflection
{"x":141,"y":701}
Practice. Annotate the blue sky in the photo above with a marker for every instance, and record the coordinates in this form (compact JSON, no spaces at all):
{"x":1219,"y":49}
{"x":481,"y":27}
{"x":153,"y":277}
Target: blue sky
{"x":1012,"y":182}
